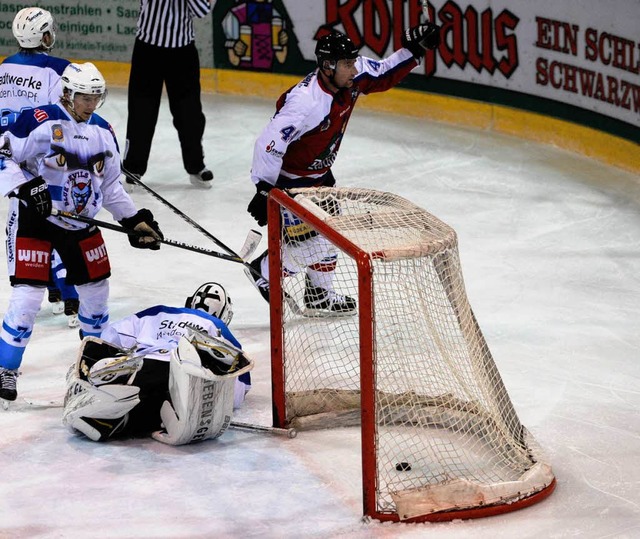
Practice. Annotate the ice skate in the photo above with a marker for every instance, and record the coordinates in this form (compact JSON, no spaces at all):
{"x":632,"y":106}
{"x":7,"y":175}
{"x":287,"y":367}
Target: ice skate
{"x":319,"y":301}
{"x":55,"y":298}
{"x":71,"y":307}
{"x":8,"y":389}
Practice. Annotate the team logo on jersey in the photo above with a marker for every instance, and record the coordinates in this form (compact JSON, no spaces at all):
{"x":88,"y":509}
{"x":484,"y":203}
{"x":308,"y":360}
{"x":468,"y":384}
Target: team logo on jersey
{"x":78,"y":190}
{"x":56,"y":133}
{"x":40,"y":115}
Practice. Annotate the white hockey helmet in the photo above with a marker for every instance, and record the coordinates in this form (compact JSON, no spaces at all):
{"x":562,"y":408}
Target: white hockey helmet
{"x":213,"y":299}
{"x":84,"y":79}
{"x":30,"y":25}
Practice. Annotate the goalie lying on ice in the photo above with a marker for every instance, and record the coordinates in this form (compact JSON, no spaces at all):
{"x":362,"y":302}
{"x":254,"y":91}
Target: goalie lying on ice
{"x":112,"y":392}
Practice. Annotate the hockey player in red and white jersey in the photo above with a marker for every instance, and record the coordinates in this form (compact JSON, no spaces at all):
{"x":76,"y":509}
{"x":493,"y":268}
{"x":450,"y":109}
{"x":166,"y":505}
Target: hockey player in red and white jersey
{"x":32,"y":78}
{"x":77,"y":169}
{"x":175,"y":373}
{"x":301,"y":142}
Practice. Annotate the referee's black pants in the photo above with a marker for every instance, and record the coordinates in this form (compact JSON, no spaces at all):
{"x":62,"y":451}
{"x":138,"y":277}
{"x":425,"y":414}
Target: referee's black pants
{"x":179,"y":69}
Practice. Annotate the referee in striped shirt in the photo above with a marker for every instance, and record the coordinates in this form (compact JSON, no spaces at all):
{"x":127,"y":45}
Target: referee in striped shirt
{"x":165,"y":53}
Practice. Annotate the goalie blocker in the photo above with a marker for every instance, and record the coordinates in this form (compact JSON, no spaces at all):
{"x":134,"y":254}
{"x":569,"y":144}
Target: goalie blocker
{"x":112,"y":392}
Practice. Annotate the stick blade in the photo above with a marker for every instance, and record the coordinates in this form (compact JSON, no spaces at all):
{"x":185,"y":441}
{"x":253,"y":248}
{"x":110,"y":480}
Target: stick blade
{"x":250,"y":244}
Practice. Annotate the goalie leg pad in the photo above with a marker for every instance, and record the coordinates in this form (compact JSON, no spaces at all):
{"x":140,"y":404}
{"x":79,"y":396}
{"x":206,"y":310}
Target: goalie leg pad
{"x":201,"y":404}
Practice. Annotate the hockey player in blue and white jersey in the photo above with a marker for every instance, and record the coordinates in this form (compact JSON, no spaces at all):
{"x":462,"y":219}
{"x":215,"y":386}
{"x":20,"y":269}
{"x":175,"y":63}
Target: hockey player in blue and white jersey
{"x":175,"y":373}
{"x":77,"y":169}
{"x":31,"y":77}
{"x":28,"y":79}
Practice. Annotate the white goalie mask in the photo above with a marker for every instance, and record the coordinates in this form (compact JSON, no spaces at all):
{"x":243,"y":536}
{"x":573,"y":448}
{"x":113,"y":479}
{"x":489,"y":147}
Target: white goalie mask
{"x":213,"y":299}
{"x":30,"y":25}
{"x":83,"y":79}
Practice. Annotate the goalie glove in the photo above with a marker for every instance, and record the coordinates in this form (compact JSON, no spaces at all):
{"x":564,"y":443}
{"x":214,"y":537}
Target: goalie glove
{"x":93,"y":404}
{"x":419,"y":38}
{"x":98,"y":412}
{"x":201,"y":404}
{"x":149,"y":230}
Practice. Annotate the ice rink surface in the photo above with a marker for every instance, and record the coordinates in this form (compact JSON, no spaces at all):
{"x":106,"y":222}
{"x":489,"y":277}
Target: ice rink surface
{"x":550,"y":249}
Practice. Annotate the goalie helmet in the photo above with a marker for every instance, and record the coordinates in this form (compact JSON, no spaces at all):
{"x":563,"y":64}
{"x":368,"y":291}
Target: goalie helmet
{"x":213,"y":299}
{"x":30,"y":25}
{"x":83,"y":79}
{"x":333,"y":47}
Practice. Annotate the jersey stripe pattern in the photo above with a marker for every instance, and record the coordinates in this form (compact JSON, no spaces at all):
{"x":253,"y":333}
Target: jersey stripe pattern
{"x":168,"y":23}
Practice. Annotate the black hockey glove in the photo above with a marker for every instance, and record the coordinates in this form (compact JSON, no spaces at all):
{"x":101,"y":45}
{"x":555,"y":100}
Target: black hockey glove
{"x":421,"y":37}
{"x":149,"y":230}
{"x":36,"y":194}
{"x":258,"y":205}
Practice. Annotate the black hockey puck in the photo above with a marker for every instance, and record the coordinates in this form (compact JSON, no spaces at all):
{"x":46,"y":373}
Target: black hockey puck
{"x":403,"y":466}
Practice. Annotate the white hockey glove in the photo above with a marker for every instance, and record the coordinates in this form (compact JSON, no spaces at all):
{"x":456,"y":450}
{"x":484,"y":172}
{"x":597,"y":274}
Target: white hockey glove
{"x":93,"y":404}
{"x":202,"y":397}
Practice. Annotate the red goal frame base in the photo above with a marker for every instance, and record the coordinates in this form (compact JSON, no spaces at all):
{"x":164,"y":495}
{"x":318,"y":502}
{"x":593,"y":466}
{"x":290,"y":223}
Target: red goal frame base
{"x":468,"y":514}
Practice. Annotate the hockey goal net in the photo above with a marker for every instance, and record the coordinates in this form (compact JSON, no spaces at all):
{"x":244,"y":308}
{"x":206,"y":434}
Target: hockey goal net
{"x":408,"y":365}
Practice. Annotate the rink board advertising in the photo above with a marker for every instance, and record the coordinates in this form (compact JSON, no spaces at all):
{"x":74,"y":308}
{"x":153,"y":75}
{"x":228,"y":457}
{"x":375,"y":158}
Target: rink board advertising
{"x":577,"y":60}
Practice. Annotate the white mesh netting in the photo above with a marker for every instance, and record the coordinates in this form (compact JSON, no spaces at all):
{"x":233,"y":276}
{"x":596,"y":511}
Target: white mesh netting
{"x":440,"y":404}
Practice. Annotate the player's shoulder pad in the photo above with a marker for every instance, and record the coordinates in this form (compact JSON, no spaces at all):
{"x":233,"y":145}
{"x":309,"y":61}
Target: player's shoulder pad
{"x":30,"y":119}
{"x":38,"y":60}
{"x":57,"y":64}
{"x":98,"y":120}
{"x":304,"y":98}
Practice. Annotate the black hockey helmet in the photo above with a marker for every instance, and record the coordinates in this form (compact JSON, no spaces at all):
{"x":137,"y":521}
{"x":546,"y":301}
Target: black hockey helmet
{"x":333,"y":47}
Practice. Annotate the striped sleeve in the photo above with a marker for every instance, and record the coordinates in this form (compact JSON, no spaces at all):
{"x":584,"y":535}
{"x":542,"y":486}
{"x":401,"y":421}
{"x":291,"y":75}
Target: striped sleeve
{"x":169,"y":23}
{"x":380,"y":75}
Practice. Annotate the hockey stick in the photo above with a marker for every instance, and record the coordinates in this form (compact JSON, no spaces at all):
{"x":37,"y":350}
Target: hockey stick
{"x":289,"y":433}
{"x":27,"y":403}
{"x":136,"y":180}
{"x":174,"y":243}
{"x":425,"y":9}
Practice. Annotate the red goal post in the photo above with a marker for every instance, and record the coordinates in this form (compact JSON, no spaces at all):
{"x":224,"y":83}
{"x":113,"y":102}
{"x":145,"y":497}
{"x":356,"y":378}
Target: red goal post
{"x":440,"y":438}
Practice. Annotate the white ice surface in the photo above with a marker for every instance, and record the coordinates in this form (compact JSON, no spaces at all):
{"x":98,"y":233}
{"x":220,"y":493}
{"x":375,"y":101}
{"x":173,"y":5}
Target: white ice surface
{"x":550,"y":249}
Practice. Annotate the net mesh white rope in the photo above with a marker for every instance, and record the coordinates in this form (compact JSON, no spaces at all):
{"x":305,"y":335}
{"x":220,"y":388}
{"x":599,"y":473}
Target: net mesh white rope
{"x":440,"y":403}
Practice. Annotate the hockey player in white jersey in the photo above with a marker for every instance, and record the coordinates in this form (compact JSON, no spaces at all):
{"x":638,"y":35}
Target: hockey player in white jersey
{"x":77,"y":169}
{"x":175,"y":373}
{"x":28,"y":79}
{"x":299,"y":145}
{"x":31,"y":77}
